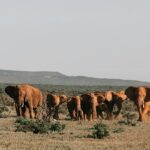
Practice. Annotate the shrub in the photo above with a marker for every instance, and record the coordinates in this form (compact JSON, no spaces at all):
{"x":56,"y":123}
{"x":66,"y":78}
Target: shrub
{"x":101,"y":130}
{"x":57,"y":127}
{"x":38,"y":126}
{"x":22,"y":121}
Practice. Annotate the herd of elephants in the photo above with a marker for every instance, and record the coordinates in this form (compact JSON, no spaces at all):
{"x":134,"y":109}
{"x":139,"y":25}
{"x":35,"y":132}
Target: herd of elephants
{"x":88,"y":106}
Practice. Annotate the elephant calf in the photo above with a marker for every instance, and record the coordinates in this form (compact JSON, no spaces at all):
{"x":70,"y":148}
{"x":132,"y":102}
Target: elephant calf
{"x":112,"y":99}
{"x":54,"y":101}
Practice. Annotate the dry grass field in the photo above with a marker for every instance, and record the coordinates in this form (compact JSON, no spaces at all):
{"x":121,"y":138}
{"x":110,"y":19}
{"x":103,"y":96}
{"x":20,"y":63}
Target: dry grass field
{"x":76,"y":136}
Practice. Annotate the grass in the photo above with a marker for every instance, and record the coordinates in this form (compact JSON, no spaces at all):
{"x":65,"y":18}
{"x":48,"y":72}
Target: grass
{"x":74,"y":136}
{"x":4,"y":111}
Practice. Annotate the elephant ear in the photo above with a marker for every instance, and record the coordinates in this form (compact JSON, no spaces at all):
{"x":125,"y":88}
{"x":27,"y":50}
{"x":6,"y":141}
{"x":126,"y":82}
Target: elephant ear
{"x":131,"y":92}
{"x":12,"y":91}
{"x":108,"y":96}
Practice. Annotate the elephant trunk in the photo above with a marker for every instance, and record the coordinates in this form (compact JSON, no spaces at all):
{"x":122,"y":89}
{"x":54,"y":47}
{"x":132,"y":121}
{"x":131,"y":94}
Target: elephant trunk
{"x":140,"y":106}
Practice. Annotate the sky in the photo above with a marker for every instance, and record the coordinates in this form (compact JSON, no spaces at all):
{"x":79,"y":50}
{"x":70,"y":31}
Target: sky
{"x":97,"y":38}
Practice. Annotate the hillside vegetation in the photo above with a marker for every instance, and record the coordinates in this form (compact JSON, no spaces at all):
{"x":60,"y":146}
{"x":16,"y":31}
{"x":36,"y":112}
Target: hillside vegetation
{"x":56,"y":78}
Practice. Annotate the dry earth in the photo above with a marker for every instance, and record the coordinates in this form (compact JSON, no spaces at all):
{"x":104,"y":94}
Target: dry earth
{"x":75,"y":137}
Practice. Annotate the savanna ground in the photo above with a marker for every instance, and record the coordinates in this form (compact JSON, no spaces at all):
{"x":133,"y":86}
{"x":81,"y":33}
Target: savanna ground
{"x":124,"y":133}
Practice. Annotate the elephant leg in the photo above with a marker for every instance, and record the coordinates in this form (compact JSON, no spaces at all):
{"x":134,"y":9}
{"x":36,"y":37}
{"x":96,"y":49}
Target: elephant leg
{"x":84,"y":116}
{"x":23,"y":110}
{"x":80,"y":115}
{"x":36,"y":113}
{"x":74,"y":114}
{"x":17,"y":109}
{"x":119,"y":106}
{"x":26,"y":113}
{"x":101,"y":114}
{"x":56,"y":116}
{"x":31,"y":112}
{"x":94,"y":112}
{"x":89,"y":116}
{"x":140,"y":113}
{"x":109,"y":112}
{"x":148,"y":115}
{"x":145,"y":112}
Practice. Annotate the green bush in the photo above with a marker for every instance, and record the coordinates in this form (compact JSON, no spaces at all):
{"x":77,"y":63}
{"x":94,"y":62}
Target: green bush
{"x":38,"y":126}
{"x":57,"y":127}
{"x":101,"y":130}
{"x":22,"y":121}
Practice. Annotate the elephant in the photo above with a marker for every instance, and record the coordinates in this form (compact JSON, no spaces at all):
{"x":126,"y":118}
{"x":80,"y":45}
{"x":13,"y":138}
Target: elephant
{"x":74,"y":108}
{"x":141,"y":97}
{"x":54,"y":101}
{"x":111,"y":99}
{"x":26,"y":97}
{"x":89,"y":104}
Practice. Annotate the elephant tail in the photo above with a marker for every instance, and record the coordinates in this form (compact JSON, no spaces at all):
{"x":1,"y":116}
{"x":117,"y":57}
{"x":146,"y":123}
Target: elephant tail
{"x":80,"y":114}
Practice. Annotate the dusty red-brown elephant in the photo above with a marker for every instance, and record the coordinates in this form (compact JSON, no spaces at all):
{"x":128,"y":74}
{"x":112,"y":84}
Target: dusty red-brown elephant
{"x":54,"y":101}
{"x":89,"y":104}
{"x":112,"y":99}
{"x":92,"y":103}
{"x":141,"y":97}
{"x":26,"y":97}
{"x":74,"y":108}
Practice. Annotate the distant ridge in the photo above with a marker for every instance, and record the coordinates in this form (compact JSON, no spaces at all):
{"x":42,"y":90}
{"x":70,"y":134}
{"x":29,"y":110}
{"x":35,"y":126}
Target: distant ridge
{"x":56,"y":78}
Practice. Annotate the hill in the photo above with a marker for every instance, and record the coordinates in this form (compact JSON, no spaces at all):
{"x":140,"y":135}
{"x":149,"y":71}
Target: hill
{"x":56,"y":78}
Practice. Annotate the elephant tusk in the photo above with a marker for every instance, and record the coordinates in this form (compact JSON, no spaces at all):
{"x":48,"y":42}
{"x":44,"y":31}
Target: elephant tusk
{"x":22,"y":105}
{"x":143,"y":105}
